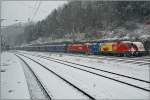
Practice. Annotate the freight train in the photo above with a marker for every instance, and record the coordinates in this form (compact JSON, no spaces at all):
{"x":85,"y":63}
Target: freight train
{"x":113,"y":48}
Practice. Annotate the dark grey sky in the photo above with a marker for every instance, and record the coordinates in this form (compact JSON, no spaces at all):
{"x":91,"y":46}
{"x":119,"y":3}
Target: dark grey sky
{"x":22,"y":10}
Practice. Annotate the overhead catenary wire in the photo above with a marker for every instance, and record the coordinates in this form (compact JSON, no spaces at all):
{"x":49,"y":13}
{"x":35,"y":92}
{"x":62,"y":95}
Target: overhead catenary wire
{"x":35,"y":13}
{"x":36,"y":2}
{"x":33,"y":7}
{"x":30,"y":6}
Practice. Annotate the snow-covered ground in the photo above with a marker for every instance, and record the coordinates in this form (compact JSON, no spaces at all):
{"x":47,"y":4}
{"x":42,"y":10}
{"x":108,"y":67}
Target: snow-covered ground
{"x":36,"y":90}
{"x":13,"y":82}
{"x":99,"y":87}
{"x":130,"y":69}
{"x":56,"y":88}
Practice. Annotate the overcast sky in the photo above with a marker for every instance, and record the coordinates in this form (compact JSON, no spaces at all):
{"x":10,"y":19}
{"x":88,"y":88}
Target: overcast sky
{"x":22,"y":10}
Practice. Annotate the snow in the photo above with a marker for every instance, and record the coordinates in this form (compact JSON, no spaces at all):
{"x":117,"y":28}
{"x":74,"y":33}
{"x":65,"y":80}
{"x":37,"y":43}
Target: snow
{"x":99,"y":87}
{"x":14,"y":85}
{"x":13,"y":82}
{"x":56,"y":88}
{"x":130,"y":69}
{"x":145,"y":36}
{"x":35,"y":89}
{"x":144,"y":85}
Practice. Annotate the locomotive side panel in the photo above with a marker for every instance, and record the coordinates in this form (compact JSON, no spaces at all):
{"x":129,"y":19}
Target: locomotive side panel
{"x":78,"y":48}
{"x":106,"y":49}
{"x":94,"y":48}
{"x":121,"y":49}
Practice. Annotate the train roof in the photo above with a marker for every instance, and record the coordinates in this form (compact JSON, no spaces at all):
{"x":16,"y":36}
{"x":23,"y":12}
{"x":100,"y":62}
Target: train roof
{"x":71,"y":42}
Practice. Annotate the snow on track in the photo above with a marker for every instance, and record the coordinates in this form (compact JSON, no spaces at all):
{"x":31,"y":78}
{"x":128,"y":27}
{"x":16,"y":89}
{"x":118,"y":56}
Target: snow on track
{"x":145,"y":60}
{"x":56,"y":88}
{"x":137,"y":82}
{"x":99,"y":87}
{"x":133,"y":81}
{"x":36,"y":89}
{"x":13,"y":82}
{"x":136,"y":60}
{"x":133,"y":70}
{"x":128,"y":69}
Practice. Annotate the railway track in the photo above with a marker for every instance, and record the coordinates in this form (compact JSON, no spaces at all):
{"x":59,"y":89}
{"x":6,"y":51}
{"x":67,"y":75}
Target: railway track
{"x":131,"y":60}
{"x":87,"y":66}
{"x":95,"y":71}
{"x":37,"y":78}
{"x":48,"y":58}
{"x":71,"y":85}
{"x":134,"y":60}
{"x":122,"y":59}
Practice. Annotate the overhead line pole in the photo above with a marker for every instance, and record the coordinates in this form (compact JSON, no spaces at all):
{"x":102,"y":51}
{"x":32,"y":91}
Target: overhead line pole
{"x":0,"y":28}
{"x":0,"y":39}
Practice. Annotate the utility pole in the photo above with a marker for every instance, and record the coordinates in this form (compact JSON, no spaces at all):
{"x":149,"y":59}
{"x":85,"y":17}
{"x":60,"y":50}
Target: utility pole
{"x":0,"y":35}
{"x":0,"y":26}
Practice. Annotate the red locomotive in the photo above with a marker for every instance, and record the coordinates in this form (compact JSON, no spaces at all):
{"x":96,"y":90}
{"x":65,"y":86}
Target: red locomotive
{"x":78,"y":48}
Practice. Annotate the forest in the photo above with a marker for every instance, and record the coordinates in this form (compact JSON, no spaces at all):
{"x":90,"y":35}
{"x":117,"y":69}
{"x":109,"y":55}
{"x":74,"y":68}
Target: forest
{"x":78,"y":20}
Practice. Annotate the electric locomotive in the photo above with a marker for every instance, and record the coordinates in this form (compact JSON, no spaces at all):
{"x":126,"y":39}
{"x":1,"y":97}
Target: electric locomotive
{"x":113,"y":48}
